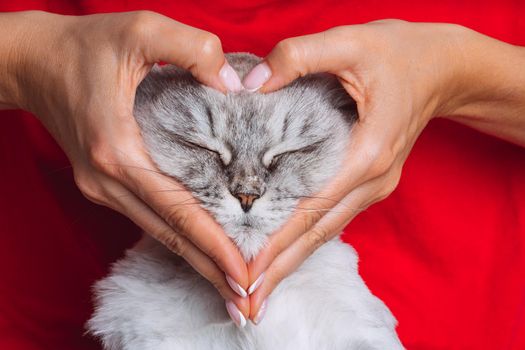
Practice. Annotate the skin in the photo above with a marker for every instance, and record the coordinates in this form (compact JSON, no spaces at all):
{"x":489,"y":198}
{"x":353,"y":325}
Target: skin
{"x":400,"y":82}
{"x":78,"y":75}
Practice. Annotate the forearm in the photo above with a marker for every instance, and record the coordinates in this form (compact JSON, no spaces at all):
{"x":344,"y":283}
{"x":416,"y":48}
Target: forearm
{"x":491,"y":91}
{"x":10,"y":42}
{"x":28,"y":50}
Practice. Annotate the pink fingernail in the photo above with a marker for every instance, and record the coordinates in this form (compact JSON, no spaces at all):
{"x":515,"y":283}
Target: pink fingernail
{"x":261,"y":313}
{"x":230,"y":79}
{"x":236,"y":316}
{"x":236,"y":287}
{"x":257,"y":77}
{"x":256,"y":284}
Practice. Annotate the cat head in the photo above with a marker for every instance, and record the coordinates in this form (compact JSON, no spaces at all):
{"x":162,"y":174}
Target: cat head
{"x":247,"y":157}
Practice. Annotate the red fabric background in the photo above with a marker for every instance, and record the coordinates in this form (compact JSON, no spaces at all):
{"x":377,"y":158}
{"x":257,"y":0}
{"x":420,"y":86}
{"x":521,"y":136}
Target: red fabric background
{"x":446,"y":251}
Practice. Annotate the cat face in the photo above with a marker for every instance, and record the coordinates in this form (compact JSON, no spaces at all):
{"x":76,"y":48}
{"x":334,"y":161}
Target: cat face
{"x":247,"y":157}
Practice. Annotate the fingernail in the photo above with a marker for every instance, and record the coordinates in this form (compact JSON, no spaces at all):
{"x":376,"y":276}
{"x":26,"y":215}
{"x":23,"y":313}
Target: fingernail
{"x":256,"y":284}
{"x":236,"y":287}
{"x":257,"y":77}
{"x":230,"y":79}
{"x":262,"y":311}
{"x":235,"y":314}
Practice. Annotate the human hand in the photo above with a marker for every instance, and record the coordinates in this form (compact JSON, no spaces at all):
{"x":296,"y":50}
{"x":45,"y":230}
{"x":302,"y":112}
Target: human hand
{"x":79,"y":75}
{"x":401,"y":75}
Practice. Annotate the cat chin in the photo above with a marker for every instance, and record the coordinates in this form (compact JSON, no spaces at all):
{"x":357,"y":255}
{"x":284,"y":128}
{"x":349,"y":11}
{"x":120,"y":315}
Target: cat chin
{"x":249,"y":240}
{"x":249,"y":231}
{"x":251,"y":246}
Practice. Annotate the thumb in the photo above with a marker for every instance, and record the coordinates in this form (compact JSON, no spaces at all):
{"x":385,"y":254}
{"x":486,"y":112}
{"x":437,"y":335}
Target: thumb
{"x":193,"y":49}
{"x":329,"y":51}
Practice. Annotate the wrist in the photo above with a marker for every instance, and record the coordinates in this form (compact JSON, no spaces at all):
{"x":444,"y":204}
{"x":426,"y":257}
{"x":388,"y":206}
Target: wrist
{"x":11,"y":52}
{"x":453,"y":64}
{"x":488,"y":88}
{"x":24,"y":55}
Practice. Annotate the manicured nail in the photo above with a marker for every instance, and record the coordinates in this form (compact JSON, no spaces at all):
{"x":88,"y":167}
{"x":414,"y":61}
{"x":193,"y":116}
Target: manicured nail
{"x":236,"y":316}
{"x":260,"y":315}
{"x":257,"y":77}
{"x":236,"y":287}
{"x":230,"y":79}
{"x":256,"y":284}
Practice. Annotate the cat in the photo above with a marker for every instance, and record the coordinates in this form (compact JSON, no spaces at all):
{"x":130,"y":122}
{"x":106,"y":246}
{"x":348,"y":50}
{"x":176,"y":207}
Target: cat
{"x":248,"y":158}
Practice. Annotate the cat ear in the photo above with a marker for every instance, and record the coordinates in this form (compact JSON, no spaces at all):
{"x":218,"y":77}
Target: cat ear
{"x":340,"y":98}
{"x":330,"y":89}
{"x":242,"y":63}
{"x":345,"y":103}
{"x":163,"y":78}
{"x":156,"y":68}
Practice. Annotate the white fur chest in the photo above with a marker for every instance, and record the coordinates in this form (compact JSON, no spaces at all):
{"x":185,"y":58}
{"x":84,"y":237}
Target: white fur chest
{"x":153,"y":300}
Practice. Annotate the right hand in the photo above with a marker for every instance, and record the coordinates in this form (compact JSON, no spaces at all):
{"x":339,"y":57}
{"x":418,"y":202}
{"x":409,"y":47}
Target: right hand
{"x":79,"y":75}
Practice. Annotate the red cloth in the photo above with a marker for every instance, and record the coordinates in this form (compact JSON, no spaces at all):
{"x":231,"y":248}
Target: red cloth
{"x":446,"y":251}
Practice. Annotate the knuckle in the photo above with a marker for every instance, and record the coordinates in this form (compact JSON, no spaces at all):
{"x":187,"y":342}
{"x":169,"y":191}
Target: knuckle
{"x":276,"y":248}
{"x":139,"y":23}
{"x":90,"y":188}
{"x":379,"y":167}
{"x":390,"y":21}
{"x":389,"y":185}
{"x":214,"y":251}
{"x":401,"y":144}
{"x":178,"y":220}
{"x":218,"y":283}
{"x":338,"y":30}
{"x":381,"y":160}
{"x":311,"y":218}
{"x":175,"y":243}
{"x":289,"y":51}
{"x":208,"y":46}
{"x":317,"y":237}
{"x":384,"y":192}
{"x":275,"y":276}
{"x":395,"y":178}
{"x":100,"y":156}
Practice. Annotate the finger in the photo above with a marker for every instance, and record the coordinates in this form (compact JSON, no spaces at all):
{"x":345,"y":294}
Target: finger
{"x":365,"y":161}
{"x":372,"y":152}
{"x":172,"y":202}
{"x":326,"y":229}
{"x":190,"y":48}
{"x":182,"y":212}
{"x":131,"y":206}
{"x":376,"y":156}
{"x":329,"y":51}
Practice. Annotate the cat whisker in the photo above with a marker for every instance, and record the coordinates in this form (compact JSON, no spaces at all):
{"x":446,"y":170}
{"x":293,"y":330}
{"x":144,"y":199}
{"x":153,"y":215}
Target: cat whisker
{"x":184,"y":202}
{"x":349,"y":210}
{"x":170,"y":190}
{"x":311,"y":197}
{"x":323,"y":210}
{"x":54,"y":171}
{"x":157,"y":172}
{"x":336,"y":202}
{"x":181,"y":204}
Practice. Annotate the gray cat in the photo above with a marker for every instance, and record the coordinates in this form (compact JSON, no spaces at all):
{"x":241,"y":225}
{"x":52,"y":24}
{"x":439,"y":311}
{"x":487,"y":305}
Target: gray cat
{"x":249,"y":158}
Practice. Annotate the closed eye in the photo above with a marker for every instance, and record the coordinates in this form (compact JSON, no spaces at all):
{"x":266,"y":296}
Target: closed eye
{"x":223,"y":153}
{"x":306,"y":149}
{"x":275,"y":161}
{"x":195,"y":145}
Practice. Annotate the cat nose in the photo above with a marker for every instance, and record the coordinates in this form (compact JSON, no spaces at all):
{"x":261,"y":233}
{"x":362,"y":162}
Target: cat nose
{"x":246,"y":200}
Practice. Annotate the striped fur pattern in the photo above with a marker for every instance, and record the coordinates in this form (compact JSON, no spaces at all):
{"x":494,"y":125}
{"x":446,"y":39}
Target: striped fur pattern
{"x":276,"y":149}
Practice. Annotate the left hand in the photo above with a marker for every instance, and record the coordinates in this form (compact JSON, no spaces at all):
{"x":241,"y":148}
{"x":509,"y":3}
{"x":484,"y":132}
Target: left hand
{"x":399,"y":82}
